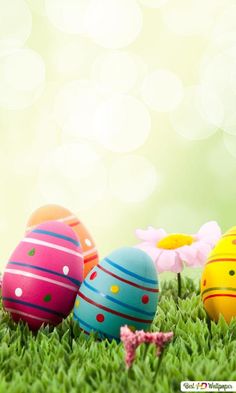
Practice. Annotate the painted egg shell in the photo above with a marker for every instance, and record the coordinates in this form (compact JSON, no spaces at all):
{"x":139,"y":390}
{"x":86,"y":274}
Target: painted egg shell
{"x":58,"y":213}
{"x":121,"y":290}
{"x":42,"y":277}
{"x":218,"y":283}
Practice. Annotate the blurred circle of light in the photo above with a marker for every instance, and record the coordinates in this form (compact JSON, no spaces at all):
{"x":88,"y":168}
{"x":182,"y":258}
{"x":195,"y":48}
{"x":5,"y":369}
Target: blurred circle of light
{"x":218,"y":72}
{"x":37,"y":6}
{"x":219,"y":76}
{"x":73,"y":56}
{"x":171,"y":216}
{"x":67,"y":15}
{"x":121,"y":123}
{"x":162,"y":90}
{"x":230,"y":143}
{"x":22,"y":76}
{"x":153,"y":3}
{"x":15,"y":24}
{"x":224,"y":32}
{"x":199,"y":115}
{"x":73,"y":175}
{"x":118,"y":71}
{"x":221,"y":162}
{"x":74,"y":110}
{"x":190,"y":17}
{"x":132,"y":178}
{"x":113,"y":23}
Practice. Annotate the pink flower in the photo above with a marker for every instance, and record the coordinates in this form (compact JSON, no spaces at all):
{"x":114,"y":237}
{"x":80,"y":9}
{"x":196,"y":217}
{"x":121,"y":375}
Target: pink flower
{"x":170,"y":252}
{"x":132,"y":340}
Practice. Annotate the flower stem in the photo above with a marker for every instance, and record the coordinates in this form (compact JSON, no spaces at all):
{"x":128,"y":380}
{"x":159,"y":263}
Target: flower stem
{"x":179,"y":285}
{"x":158,"y":364}
{"x":145,"y":351}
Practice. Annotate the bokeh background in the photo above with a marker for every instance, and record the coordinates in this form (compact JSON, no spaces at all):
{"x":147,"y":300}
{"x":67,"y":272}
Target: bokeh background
{"x":122,"y":111}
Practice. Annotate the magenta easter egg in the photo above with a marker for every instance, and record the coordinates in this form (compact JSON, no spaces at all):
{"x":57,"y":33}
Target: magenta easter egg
{"x":42,"y":277}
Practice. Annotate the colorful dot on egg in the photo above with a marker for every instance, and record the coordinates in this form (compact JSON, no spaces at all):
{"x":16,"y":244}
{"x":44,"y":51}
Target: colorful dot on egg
{"x":31,"y":253}
{"x":93,"y":276}
{"x":231,"y":272}
{"x":77,"y":303}
{"x":100,"y":317}
{"x":18,"y":292}
{"x":234,"y":241}
{"x":145,"y":299}
{"x":88,"y":242}
{"x":65,"y":270}
{"x":204,"y":283}
{"x":47,"y":298}
{"x":115,"y":288}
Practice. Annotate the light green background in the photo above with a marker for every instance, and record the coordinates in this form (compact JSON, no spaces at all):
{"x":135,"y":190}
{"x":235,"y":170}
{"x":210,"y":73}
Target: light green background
{"x":194,"y":178}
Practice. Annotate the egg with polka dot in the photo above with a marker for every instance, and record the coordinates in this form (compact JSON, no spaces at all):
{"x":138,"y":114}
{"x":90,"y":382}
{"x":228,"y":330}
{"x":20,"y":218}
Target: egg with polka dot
{"x":121,"y":290}
{"x":43,"y":275}
{"x":61,"y":214}
{"x":218,"y":282}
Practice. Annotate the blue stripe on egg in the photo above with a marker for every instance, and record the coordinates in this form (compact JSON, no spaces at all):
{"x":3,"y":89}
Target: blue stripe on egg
{"x":111,"y":324}
{"x":12,"y":300}
{"x":142,"y":302}
{"x":126,"y":271}
{"x":46,"y":271}
{"x":138,"y":310}
{"x":57,"y":235}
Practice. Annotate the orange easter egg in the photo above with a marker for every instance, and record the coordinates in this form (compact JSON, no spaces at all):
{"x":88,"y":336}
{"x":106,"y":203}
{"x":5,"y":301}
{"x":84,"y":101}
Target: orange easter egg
{"x":61,"y":214}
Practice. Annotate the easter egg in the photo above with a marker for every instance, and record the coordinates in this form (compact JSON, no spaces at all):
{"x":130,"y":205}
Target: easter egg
{"x":59,"y":213}
{"x":121,"y":290}
{"x":42,"y":277}
{"x":218,"y":282}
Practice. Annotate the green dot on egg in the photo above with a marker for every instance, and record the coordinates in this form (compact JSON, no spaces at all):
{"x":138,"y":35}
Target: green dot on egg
{"x":31,"y":253}
{"x":47,"y":298}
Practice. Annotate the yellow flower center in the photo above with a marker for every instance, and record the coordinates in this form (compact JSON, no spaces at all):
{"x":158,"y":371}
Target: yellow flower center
{"x":175,"y":240}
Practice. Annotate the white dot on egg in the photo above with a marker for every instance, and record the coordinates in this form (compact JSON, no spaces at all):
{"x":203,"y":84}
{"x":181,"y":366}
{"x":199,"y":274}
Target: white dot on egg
{"x":113,"y":23}
{"x":121,"y":124}
{"x":133,"y":178}
{"x":66,"y":270}
{"x":88,"y":242}
{"x":162,"y":90}
{"x":18,"y":292}
{"x":15,"y":24}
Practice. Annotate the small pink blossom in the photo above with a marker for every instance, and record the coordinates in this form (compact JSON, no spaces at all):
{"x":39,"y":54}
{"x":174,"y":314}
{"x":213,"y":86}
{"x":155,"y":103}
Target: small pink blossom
{"x":132,"y":340}
{"x":173,"y":259}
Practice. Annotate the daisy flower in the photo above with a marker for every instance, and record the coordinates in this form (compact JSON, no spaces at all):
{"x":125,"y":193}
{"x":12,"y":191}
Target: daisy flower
{"x":170,"y":252}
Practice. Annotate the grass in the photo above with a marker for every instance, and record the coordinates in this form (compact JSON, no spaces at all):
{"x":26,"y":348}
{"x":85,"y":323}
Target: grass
{"x":63,"y":360}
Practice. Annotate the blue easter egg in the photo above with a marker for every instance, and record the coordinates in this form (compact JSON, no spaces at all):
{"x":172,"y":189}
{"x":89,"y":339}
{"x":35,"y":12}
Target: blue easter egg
{"x":121,"y":290}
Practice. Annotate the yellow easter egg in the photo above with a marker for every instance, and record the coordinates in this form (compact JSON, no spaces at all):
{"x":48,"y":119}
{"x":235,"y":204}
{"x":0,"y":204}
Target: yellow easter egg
{"x":218,"y":282}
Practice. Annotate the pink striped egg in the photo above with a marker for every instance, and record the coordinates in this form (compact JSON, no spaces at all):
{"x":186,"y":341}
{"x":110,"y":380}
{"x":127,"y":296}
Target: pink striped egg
{"x":43,"y":275}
